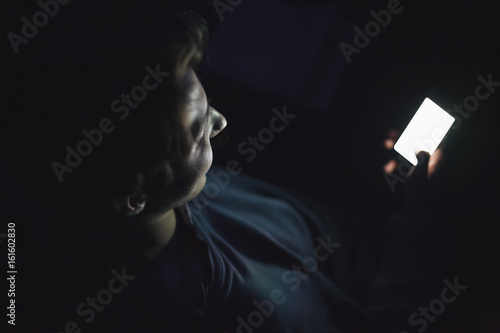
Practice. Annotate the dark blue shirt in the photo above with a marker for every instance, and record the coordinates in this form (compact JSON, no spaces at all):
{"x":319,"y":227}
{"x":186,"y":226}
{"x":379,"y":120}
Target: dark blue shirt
{"x":247,"y":257}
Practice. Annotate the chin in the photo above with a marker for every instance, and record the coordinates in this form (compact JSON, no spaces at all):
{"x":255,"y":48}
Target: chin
{"x":202,"y":178}
{"x":201,"y":184}
{"x":197,"y":188}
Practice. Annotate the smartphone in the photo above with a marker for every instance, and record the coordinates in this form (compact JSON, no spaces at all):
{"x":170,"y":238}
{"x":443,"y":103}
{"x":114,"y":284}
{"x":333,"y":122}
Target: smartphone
{"x":425,"y":131}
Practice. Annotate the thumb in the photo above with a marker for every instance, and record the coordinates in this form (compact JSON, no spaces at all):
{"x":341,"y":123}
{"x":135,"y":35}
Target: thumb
{"x":416,"y":186}
{"x":422,"y":167}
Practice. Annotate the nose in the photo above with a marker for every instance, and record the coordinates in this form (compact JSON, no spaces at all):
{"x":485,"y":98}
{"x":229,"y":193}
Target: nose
{"x":218,"y":122}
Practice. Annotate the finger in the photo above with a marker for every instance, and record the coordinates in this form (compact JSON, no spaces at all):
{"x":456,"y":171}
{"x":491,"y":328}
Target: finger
{"x":394,"y":134}
{"x":418,"y":173}
{"x":416,"y":187}
{"x":421,"y":171}
{"x":389,"y":144}
{"x":390,"y":166}
{"x":434,"y":162}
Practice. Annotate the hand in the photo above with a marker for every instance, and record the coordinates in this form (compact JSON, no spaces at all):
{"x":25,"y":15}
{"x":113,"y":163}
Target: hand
{"x":416,"y":189}
{"x":393,"y":164}
{"x":417,"y":195}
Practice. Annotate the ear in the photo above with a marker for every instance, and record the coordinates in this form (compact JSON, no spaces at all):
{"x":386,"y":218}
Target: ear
{"x":133,"y":203}
{"x":130,"y":205}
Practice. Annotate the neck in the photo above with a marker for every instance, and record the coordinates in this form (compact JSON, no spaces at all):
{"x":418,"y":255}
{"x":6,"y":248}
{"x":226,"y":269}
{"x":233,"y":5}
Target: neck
{"x":143,"y":239}
{"x":157,"y":232}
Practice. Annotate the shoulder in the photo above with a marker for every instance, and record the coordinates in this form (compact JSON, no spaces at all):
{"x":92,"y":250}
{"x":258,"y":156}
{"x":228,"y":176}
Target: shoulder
{"x":255,"y":217}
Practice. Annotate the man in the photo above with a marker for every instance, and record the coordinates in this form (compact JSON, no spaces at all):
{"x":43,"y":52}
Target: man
{"x":118,"y":129}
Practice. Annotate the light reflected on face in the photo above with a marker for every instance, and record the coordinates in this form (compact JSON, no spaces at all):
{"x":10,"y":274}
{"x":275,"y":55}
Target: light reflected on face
{"x":201,"y":123}
{"x":198,"y":123}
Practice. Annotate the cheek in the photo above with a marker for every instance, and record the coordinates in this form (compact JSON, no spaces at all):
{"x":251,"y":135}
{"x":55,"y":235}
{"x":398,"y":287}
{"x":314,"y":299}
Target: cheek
{"x":202,"y":156}
{"x":188,"y":180}
{"x":190,"y":171}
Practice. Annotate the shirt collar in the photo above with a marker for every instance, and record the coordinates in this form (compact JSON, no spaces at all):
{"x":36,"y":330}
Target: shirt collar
{"x":184,"y":214}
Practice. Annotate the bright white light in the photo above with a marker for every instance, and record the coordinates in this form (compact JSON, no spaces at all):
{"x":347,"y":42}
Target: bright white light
{"x":425,"y":131}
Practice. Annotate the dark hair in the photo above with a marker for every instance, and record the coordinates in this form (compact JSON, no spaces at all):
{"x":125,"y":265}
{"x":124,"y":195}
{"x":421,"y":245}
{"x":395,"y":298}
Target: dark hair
{"x":65,"y":79}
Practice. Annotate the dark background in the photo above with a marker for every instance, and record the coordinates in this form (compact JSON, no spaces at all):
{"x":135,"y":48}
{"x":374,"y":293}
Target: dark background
{"x":266,"y":54}
{"x":269,"y":53}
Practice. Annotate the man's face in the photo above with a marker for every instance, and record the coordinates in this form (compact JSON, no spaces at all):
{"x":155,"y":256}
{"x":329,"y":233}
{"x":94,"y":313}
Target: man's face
{"x":197,"y":123}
